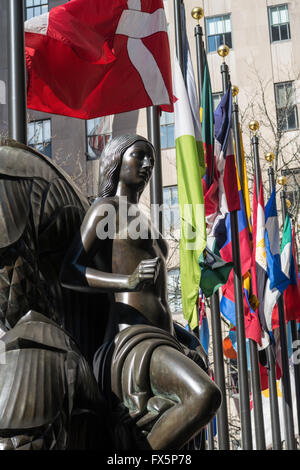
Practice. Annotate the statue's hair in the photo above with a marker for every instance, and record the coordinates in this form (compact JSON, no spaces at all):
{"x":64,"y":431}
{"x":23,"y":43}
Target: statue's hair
{"x":111,"y":161}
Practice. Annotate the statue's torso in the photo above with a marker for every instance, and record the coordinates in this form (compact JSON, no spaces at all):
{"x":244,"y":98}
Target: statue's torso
{"x":132,"y":243}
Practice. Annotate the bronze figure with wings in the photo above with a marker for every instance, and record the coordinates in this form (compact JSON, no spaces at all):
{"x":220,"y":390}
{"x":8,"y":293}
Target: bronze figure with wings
{"x":79,"y":288}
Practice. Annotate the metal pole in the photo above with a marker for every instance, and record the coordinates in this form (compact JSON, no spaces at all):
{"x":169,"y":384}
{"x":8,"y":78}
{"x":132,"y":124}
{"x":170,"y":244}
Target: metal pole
{"x":240,"y":315}
{"x":255,"y":373}
{"x":17,"y":123}
{"x":294,"y":333}
{"x":210,"y":436}
{"x":200,"y":58}
{"x":271,"y":367}
{"x":222,"y":416}
{"x":156,"y":192}
{"x":238,"y":147}
{"x":241,"y":336}
{"x":178,"y":35}
{"x":293,"y":324}
{"x":286,"y":384}
{"x":225,"y":76}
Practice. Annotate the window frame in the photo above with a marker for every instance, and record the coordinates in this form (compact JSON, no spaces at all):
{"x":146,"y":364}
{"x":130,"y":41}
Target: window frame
{"x":273,"y":7}
{"x":292,"y":188}
{"x":166,"y":126}
{"x":43,"y":142}
{"x":171,"y":208}
{"x":214,"y":94}
{"x":89,"y":156}
{"x":175,"y":303}
{"x":42,"y":3}
{"x":207,"y":35}
{"x":295,"y":108}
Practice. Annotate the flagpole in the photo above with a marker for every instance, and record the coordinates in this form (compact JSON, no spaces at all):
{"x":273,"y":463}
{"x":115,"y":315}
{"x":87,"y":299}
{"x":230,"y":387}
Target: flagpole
{"x":293,"y":323}
{"x":286,"y":383}
{"x":180,"y":57}
{"x":239,"y":304}
{"x":178,"y":35}
{"x":222,"y":414}
{"x":210,"y":436}
{"x":197,"y":14}
{"x":255,"y":373}
{"x":17,"y":122}
{"x":156,"y":191}
{"x":271,"y":367}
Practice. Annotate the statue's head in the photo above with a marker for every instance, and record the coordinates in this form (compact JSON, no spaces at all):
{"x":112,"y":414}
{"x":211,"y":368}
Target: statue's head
{"x":129,"y":158}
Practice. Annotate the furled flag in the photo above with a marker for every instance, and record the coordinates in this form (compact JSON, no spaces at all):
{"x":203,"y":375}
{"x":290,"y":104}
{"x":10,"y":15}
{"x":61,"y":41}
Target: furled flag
{"x":220,"y":192}
{"x":292,"y":293}
{"x":229,"y":346}
{"x":190,"y":170}
{"x":245,"y":185}
{"x":203,"y":322}
{"x":225,"y":198}
{"x":289,"y":267}
{"x":227,"y":308}
{"x":207,"y":121}
{"x":214,"y":270}
{"x":227,"y":305}
{"x":244,"y":226}
{"x":90,"y":58}
{"x":277,"y":281}
{"x":259,"y":259}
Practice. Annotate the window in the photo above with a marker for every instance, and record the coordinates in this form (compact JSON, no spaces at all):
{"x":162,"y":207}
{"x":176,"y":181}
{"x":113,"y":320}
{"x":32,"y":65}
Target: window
{"x":35,"y":8}
{"x":39,"y":136}
{"x":2,"y":92}
{"x":287,"y":114}
{"x":293,"y":189}
{"x":167,"y":136}
{"x":279,"y":23}
{"x":171,"y":217}
{"x":98,"y":132}
{"x":218,"y":32}
{"x":216,"y":98}
{"x":174,"y":290}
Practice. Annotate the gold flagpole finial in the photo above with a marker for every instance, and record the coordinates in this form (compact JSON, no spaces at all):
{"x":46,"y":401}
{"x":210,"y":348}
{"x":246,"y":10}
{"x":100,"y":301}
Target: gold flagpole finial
{"x":254,"y":126}
{"x":269,"y":157}
{"x":197,"y":13}
{"x":282,"y":180}
{"x":235,"y":91}
{"x":223,"y":51}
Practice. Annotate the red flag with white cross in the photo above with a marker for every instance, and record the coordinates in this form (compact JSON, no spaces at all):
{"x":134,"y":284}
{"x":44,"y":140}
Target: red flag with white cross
{"x":91,"y":58}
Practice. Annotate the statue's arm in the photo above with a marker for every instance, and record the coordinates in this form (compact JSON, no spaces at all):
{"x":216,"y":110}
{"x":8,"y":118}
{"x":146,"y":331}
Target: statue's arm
{"x":77,"y":273}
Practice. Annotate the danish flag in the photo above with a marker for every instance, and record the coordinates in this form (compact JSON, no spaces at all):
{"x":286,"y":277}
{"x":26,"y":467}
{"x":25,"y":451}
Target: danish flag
{"x":91,"y":58}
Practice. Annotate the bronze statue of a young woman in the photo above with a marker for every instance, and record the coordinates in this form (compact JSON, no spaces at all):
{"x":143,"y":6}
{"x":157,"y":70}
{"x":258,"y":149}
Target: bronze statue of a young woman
{"x":158,"y":397}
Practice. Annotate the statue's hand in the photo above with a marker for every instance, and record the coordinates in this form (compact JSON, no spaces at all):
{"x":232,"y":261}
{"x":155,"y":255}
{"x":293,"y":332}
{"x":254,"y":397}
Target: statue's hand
{"x":146,"y":273}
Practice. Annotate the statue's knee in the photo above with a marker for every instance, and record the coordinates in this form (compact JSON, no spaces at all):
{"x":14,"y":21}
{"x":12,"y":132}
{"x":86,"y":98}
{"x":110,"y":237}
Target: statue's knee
{"x":207,"y":399}
{"x":215,"y":398}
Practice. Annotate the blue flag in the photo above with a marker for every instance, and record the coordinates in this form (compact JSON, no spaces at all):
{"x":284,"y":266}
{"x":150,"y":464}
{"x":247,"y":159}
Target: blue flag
{"x":277,"y":281}
{"x":277,"y":278}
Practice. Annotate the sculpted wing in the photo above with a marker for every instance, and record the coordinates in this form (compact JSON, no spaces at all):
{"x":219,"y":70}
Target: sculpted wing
{"x":41,"y":209}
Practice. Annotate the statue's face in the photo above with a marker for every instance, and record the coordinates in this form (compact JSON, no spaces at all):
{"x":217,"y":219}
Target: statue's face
{"x":137,"y":165}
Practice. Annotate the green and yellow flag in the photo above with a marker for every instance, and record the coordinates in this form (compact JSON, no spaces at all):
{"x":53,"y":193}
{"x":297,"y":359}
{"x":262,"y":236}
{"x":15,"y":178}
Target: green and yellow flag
{"x":190,"y":170}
